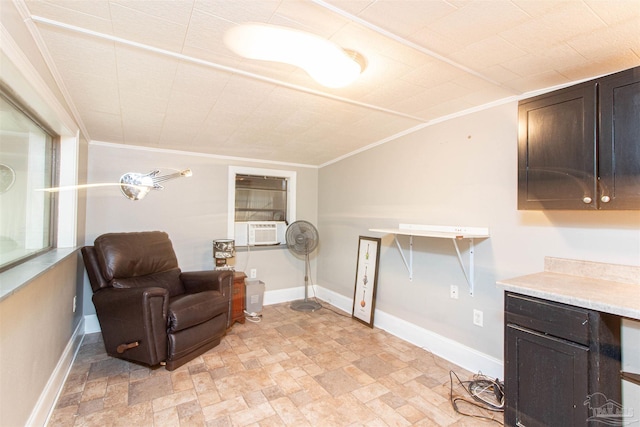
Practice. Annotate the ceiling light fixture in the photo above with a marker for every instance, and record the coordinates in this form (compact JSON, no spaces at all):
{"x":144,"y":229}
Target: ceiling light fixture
{"x":328,"y":64}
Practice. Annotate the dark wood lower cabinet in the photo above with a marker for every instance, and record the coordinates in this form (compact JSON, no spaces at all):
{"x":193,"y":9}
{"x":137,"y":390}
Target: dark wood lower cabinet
{"x":548,"y":382}
{"x":556,"y":357}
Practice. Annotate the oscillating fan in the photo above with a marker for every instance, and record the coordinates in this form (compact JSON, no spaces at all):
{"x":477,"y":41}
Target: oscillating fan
{"x":302,"y":239}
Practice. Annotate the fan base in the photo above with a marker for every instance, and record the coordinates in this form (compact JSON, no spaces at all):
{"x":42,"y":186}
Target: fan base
{"x":305,"y":305}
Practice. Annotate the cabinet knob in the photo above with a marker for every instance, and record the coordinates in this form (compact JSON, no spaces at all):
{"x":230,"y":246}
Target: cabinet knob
{"x":586,"y":199}
{"x":605,"y":199}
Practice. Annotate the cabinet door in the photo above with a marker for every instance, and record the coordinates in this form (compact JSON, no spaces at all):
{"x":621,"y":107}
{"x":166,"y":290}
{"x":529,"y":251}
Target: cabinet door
{"x":556,"y":150}
{"x":546,"y":380}
{"x":619,"y":140}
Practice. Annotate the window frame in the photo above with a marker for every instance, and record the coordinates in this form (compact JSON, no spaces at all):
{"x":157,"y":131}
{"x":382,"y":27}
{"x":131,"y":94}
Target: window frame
{"x":245,"y":170}
{"x":274,"y":190}
{"x":53,"y":152}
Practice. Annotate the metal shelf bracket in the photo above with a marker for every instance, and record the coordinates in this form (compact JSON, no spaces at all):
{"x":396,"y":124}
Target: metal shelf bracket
{"x":468,"y":275}
{"x":453,"y":233}
{"x":409,"y":264}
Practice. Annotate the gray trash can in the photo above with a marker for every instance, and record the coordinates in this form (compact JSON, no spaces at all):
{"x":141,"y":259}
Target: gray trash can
{"x":254,"y":295}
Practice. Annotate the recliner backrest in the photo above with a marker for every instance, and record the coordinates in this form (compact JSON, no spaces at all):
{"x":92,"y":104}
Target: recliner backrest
{"x":138,"y":259}
{"x":123,"y":255}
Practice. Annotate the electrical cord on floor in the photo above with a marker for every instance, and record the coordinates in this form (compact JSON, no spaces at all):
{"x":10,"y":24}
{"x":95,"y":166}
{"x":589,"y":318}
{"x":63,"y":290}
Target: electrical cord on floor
{"x":486,"y":393}
{"x":253,"y":317}
{"x":326,"y":305}
{"x":329,"y":307}
{"x":315,"y":297}
{"x":313,"y":288}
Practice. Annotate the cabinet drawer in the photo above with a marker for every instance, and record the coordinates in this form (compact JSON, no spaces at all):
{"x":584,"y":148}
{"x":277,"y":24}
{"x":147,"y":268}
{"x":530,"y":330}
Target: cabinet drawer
{"x":551,"y":318}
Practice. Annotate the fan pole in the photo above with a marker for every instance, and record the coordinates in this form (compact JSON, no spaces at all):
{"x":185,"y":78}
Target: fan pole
{"x":306,"y":304}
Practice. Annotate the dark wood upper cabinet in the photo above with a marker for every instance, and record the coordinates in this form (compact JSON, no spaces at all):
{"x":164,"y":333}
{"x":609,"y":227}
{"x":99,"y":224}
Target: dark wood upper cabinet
{"x":579,"y":147}
{"x":619,"y":141}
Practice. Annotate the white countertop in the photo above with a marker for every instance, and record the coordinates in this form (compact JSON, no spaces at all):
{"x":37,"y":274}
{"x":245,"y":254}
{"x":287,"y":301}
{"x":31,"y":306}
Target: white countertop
{"x":607,"y":288}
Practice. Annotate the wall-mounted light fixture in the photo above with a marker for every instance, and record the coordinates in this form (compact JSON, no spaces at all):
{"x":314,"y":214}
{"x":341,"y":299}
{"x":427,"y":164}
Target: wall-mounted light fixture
{"x":327,"y":63}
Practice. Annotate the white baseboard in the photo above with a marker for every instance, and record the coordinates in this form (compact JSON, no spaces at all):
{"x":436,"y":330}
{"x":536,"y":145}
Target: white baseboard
{"x":466,"y":357}
{"x":338,"y":301}
{"x":463,"y":356}
{"x":47,"y":400}
{"x":459,"y":354}
{"x":283,"y":295}
{"x":91,"y":324}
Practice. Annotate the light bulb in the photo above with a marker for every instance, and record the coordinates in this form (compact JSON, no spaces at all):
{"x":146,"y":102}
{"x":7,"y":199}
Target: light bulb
{"x":324,"y":61}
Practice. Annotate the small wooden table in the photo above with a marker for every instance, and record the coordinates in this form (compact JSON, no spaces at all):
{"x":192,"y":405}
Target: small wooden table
{"x":237,"y":298}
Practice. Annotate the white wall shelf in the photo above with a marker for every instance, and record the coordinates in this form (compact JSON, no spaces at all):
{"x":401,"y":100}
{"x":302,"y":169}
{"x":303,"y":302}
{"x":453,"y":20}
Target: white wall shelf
{"x":440,"y":232}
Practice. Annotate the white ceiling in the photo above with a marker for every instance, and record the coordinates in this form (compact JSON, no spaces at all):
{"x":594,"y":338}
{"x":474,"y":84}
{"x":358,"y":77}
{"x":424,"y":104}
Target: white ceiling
{"x":156,"y":73}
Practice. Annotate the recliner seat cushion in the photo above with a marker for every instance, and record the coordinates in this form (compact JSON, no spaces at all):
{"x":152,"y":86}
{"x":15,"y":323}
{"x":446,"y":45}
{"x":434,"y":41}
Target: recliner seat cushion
{"x":123,"y":255}
{"x":169,"y":280}
{"x":185,"y":343}
{"x":189,"y":310}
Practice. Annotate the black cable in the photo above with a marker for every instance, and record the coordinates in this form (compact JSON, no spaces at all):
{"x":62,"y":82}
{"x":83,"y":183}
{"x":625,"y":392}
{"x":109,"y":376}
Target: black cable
{"x":315,"y":297}
{"x":329,"y":307}
{"x":472,"y":387}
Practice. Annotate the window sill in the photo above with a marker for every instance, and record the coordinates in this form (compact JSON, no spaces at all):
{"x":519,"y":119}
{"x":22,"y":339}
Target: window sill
{"x":15,"y":278}
{"x":260,"y":248}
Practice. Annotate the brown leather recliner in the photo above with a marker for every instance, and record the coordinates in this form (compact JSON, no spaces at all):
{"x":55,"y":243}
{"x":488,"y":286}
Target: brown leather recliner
{"x":149,"y":311}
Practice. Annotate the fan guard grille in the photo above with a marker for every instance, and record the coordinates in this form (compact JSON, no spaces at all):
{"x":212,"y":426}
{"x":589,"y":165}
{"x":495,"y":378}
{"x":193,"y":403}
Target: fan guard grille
{"x":302,"y":237}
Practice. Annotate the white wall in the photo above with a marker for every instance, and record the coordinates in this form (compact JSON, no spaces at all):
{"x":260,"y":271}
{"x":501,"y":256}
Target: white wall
{"x":39,"y":332}
{"x":461,"y":172}
{"x":193,"y":211}
{"x":38,"y":337}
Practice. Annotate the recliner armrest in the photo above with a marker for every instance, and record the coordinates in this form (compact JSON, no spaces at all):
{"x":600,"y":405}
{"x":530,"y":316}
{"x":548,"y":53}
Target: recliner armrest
{"x":212,"y":280}
{"x":134,"y":314}
{"x":126,"y":301}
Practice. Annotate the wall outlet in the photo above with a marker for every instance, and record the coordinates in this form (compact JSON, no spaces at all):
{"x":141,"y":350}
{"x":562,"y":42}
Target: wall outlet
{"x":74,"y":304}
{"x":453,"y":292}
{"x":477,"y":317}
{"x":253,"y":273}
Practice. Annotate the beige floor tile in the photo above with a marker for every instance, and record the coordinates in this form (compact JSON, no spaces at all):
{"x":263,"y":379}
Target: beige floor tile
{"x":173,"y":400}
{"x":288,"y":412}
{"x":291,"y":369}
{"x":166,"y":418}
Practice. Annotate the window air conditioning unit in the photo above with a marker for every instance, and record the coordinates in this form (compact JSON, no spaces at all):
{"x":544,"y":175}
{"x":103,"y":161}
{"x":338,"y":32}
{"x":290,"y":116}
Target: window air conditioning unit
{"x":260,"y":233}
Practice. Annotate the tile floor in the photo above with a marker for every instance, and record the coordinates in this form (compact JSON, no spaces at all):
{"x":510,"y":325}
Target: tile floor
{"x":292,"y":368}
